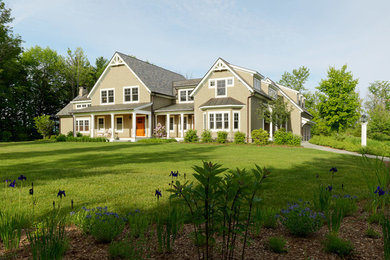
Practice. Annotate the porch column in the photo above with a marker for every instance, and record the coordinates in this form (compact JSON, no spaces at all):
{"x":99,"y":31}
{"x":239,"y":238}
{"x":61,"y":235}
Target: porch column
{"x":271,"y":136}
{"x":150,"y":125}
{"x":133,"y":118}
{"x":168,"y":124}
{"x":92,"y":126}
{"x":182,"y":124}
{"x":74,"y":126}
{"x":112,"y":126}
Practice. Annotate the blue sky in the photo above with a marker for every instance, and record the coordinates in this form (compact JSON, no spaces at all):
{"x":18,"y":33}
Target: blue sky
{"x":188,"y":36}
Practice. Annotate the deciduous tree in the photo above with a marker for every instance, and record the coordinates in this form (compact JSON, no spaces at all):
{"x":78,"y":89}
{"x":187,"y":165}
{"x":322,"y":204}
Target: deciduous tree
{"x":297,"y":79}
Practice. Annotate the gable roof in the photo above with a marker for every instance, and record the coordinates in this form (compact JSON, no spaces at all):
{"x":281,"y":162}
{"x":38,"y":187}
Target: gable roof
{"x":155,"y":78}
{"x":186,"y":83}
{"x":81,"y":98}
{"x":66,"y":110}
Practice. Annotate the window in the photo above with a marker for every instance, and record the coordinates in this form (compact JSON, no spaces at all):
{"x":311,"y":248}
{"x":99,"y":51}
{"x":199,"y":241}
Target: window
{"x":82,"y":125}
{"x":119,"y":124}
{"x":171,"y":123}
{"x":204,"y":121}
{"x":101,"y":123}
{"x":80,"y":106}
{"x":107,"y":96}
{"x":184,"y":95}
{"x":272,"y":92}
{"x":130,"y":94}
{"x":211,"y":83}
{"x":221,"y":88}
{"x":185,"y":123}
{"x":229,"y":82}
{"x":256,"y":84}
{"x":236,"y":120}
{"x":219,"y":121}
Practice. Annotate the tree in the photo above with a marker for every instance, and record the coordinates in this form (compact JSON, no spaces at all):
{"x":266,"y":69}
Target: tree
{"x":296,"y":79}
{"x":79,"y":72}
{"x":339,"y":105}
{"x":276,"y":111}
{"x":100,"y":65}
{"x":44,"y":125}
{"x":379,"y":95}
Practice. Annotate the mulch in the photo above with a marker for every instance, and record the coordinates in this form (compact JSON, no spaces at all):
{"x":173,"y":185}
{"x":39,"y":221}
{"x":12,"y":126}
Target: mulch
{"x":353,"y":228}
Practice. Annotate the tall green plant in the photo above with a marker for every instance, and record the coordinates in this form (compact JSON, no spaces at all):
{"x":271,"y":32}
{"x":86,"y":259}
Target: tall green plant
{"x":386,"y":236}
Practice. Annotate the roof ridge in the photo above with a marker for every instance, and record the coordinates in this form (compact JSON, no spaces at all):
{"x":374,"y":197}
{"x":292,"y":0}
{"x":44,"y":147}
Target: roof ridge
{"x":133,"y":57}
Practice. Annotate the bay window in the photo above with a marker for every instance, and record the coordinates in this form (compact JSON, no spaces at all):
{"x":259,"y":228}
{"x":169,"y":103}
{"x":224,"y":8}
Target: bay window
{"x":219,"y":120}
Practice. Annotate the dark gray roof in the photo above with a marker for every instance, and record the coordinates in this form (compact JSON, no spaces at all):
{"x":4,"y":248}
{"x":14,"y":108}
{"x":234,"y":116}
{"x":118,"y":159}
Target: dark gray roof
{"x":157,"y":79}
{"x":81,"y":98}
{"x":186,"y":83}
{"x":228,"y":101}
{"x":106,"y":108}
{"x":177,"y":107}
{"x":65,"y":111}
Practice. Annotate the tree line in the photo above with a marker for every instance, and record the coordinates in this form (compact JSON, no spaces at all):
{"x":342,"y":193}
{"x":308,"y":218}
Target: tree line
{"x":37,"y":81}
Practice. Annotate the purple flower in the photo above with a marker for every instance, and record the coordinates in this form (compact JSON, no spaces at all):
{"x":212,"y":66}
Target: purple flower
{"x":174,"y":174}
{"x":333,"y":169}
{"x":158,"y":194}
{"x":379,"y":191}
{"x":31,"y":191}
{"x":330,"y":188}
{"x":22,"y":177}
{"x":12,"y":184}
{"x":7,"y":180}
{"x":60,"y":193}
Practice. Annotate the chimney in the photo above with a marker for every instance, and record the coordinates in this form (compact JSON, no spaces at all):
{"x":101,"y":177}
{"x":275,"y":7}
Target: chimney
{"x":82,"y":91}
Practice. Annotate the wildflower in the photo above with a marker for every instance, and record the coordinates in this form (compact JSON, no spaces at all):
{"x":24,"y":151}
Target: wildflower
{"x":31,"y":191}
{"x":88,"y":216}
{"x":12,"y":184}
{"x":333,"y":169}
{"x":342,"y":186}
{"x":330,"y":188}
{"x":7,"y":180}
{"x":174,"y":174}
{"x":158,"y":194}
{"x":379,"y":191}
{"x":72,"y":213}
{"x":22,"y":177}
{"x":60,"y":193}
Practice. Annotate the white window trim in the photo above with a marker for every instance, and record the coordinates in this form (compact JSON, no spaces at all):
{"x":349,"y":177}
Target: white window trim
{"x":188,"y":125}
{"x":83,"y":119}
{"x":187,"y":95}
{"x":226,"y":85}
{"x":171,"y":119}
{"x":108,"y":102}
{"x":256,"y":81}
{"x":104,"y":124}
{"x":83,"y":105}
{"x":215,"y":121}
{"x":131,"y":94}
{"x":205,"y":121}
{"x":239,"y":119}
{"x":116,"y":127}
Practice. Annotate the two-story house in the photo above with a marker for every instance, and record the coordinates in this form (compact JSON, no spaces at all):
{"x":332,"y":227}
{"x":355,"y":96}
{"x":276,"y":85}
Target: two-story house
{"x":132,"y":96}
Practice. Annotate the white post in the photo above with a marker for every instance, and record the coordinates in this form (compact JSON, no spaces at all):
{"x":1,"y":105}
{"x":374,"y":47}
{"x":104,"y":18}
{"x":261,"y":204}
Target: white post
{"x":133,"y":130}
{"x":150,"y":125}
{"x":182,"y":124}
{"x":92,"y":126}
{"x":364,"y":134}
{"x":112,"y":127}
{"x":271,"y":136}
{"x":74,"y":125}
{"x":167,"y":124}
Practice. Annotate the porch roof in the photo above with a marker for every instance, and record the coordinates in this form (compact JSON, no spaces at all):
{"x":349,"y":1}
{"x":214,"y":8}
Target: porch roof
{"x":177,"y":107}
{"x":107,"y":108}
{"x":228,"y":101}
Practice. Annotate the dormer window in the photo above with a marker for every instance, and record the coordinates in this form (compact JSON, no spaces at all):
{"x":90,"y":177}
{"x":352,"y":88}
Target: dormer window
{"x":184,"y":96}
{"x":272,"y":92}
{"x":107,"y":96}
{"x":130,"y":94}
{"x":256,"y":84}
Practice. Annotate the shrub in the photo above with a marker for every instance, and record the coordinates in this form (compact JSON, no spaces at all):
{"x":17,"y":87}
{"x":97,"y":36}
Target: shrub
{"x":191,"y":136}
{"x":337,"y":245}
{"x":222,"y":137}
{"x":103,"y":225}
{"x":277,"y":244}
{"x":265,"y":217}
{"x":386,"y":236}
{"x":6,"y":136}
{"x":282,"y":137}
{"x":347,"y":204}
{"x":156,"y":141}
{"x":85,"y":139}
{"x":61,"y":138}
{"x":300,"y":220}
{"x":128,"y":249}
{"x":44,"y":125}
{"x":206,"y":136}
{"x":159,"y":131}
{"x":371,"y":233}
{"x":11,"y":229}
{"x":260,"y":136}
{"x":79,"y":134}
{"x":69,"y":134}
{"x":239,"y":137}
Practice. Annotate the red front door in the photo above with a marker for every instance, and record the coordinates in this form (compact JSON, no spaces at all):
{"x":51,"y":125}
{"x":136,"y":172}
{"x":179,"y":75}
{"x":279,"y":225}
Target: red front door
{"x":140,"y":126}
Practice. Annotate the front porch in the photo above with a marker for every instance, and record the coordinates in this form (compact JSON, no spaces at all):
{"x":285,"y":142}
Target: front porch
{"x":176,"y":124}
{"x":121,"y":126}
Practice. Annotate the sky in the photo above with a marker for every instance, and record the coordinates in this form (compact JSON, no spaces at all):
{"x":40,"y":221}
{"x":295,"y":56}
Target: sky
{"x":188,"y":36}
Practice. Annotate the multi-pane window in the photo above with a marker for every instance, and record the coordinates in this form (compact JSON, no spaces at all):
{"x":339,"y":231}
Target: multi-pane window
{"x":221,"y":88}
{"x":256,"y":84}
{"x":82,"y":125}
{"x":236,"y":120}
{"x":119,"y":123}
{"x":130,"y":94}
{"x":219,"y":121}
{"x":184,"y":95}
{"x":107,"y":96}
{"x":80,"y":106}
{"x":101,"y":123}
{"x":272,"y":92}
{"x":171,"y":123}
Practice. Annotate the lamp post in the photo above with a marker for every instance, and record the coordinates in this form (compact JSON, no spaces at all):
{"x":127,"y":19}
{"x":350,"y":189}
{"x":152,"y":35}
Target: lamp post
{"x":364,"y":120}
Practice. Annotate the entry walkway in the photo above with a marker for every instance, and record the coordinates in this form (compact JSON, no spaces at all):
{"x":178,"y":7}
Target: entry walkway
{"x":333,"y":150}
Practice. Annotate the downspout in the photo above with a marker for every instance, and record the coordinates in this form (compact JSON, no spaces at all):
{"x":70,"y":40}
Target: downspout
{"x":247,"y":118}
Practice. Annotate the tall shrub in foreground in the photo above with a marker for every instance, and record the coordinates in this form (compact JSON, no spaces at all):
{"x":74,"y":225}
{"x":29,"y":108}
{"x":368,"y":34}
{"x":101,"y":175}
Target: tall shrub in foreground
{"x":260,"y":136}
{"x":44,"y":125}
{"x":220,"y":206}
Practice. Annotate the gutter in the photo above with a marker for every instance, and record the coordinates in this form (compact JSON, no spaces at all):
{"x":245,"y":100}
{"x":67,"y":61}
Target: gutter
{"x":247,"y":118}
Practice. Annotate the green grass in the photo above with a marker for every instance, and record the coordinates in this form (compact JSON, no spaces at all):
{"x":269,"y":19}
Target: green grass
{"x":124,"y":176}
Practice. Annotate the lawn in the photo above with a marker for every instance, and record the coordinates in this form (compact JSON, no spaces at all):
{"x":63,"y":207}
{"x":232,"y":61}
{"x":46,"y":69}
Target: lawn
{"x":124,"y":176}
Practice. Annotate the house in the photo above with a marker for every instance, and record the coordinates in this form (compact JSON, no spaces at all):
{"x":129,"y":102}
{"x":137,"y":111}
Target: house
{"x":132,"y":96}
